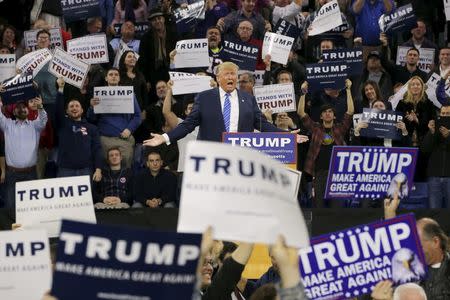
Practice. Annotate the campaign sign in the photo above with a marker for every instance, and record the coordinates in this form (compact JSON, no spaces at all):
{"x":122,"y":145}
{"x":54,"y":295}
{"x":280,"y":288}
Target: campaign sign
{"x":242,"y":54}
{"x":352,"y":57}
{"x":349,"y":263}
{"x":286,"y":28}
{"x":276,"y":97}
{"x":432,"y":85}
{"x":327,"y":18}
{"x":7,"y":66}
{"x":25,"y":271}
{"x":92,"y":49}
{"x":259,"y":77}
{"x":382,"y":124}
{"x":426,"y":57}
{"x":370,"y":172}
{"x":192,"y":53}
{"x":139,"y":29}
{"x":186,"y":18}
{"x":278,"y":46}
{"x":187,"y":83}
{"x":74,"y":10}
{"x":330,"y":75}
{"x":230,"y":186}
{"x":114,"y":99}
{"x":44,"y":203}
{"x":447,"y":9}
{"x":18,"y":88}
{"x":71,"y":69}
{"x":400,"y":20}
{"x":277,"y":145}
{"x":30,"y":40}
{"x":112,"y":262}
{"x":34,"y":61}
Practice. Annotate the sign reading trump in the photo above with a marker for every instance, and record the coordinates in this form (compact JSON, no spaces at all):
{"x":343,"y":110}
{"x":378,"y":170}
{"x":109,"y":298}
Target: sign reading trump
{"x":112,"y":262}
{"x":349,"y":263}
{"x":370,"y":172}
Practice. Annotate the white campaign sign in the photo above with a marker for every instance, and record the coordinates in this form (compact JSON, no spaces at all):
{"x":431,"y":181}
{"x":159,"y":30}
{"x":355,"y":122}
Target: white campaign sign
{"x":34,"y":61}
{"x":276,"y":97}
{"x":7,"y":66}
{"x":72,"y":70}
{"x":187,"y":83}
{"x":395,"y":99}
{"x":114,"y":100}
{"x":259,"y":77}
{"x":327,"y":18}
{"x":91,"y":49}
{"x":426,"y":59}
{"x":30,"y":40}
{"x":25,"y":271}
{"x":44,"y":203}
{"x":192,"y":53}
{"x":243,"y":194}
{"x":278,"y":46}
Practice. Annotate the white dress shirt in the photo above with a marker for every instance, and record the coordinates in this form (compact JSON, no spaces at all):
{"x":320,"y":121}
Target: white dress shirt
{"x":234,"y":114}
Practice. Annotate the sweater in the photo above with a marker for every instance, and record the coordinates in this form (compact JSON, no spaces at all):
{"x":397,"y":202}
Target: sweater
{"x":163,"y":186}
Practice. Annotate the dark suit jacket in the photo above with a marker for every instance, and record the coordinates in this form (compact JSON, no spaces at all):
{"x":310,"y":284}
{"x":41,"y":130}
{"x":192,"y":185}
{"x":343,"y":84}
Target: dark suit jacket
{"x":207,"y":113}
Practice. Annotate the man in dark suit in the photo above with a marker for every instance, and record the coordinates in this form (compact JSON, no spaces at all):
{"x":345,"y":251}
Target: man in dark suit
{"x":223,"y":109}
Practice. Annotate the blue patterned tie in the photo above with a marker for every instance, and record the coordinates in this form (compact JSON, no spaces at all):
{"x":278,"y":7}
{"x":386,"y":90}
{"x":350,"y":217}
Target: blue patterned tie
{"x":227,"y":112}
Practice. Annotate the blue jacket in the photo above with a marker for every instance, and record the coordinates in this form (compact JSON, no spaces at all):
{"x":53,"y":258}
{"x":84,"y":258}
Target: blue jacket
{"x":79,"y":141}
{"x":112,"y":125}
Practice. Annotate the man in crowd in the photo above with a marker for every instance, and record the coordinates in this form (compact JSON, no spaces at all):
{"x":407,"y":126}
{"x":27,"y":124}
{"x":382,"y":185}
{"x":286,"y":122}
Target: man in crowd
{"x":246,"y":82}
{"x":116,"y":129}
{"x":21,"y":146}
{"x":127,"y":31}
{"x":418,"y":39}
{"x":444,"y":63}
{"x":155,"y":186}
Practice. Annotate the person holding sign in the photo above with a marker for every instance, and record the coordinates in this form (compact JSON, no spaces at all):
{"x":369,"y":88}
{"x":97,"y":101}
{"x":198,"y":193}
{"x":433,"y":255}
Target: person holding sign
{"x":116,"y":129}
{"x":223,"y":109}
{"x":21,"y":146}
{"x":325,"y":135}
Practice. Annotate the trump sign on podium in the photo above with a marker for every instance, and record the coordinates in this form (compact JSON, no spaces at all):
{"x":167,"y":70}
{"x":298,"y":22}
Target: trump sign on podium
{"x":349,"y":263}
{"x":243,"y":194}
{"x":370,"y":172}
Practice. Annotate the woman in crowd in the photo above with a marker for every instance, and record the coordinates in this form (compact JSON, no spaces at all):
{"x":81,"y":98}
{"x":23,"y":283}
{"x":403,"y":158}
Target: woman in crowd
{"x":370,"y":93}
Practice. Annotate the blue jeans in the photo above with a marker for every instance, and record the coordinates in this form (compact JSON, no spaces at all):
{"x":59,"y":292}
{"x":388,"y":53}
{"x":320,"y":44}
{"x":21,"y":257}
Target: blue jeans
{"x":11,"y":178}
{"x":439,"y":192}
{"x":64,"y":172}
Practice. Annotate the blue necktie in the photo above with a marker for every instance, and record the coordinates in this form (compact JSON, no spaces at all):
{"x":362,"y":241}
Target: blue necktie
{"x":227,"y":112}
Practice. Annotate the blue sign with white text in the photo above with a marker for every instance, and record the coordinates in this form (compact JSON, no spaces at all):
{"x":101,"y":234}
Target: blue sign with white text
{"x":370,"y":172}
{"x":242,"y":54}
{"x":277,"y":145}
{"x":400,"y":20}
{"x":327,"y":75}
{"x":349,"y":263}
{"x":283,"y":27}
{"x":112,"y":262}
{"x":352,"y":57}
{"x":381,"y":124}
{"x":18,"y":88}
{"x":187,"y":18}
{"x":80,"y":9}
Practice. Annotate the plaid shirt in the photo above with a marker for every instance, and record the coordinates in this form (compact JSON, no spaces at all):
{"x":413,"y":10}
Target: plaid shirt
{"x":317,"y":134}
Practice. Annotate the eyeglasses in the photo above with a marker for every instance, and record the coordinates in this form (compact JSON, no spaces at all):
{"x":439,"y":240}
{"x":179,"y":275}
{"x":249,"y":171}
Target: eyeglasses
{"x":43,"y":38}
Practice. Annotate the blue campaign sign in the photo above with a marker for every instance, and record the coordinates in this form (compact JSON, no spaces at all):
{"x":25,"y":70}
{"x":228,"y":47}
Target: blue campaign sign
{"x":139,"y":29}
{"x":18,"y":88}
{"x":242,"y":54}
{"x":330,"y":75}
{"x":370,"y":172}
{"x":283,"y":27}
{"x":111,"y":262}
{"x":75,"y":10}
{"x":382,"y":124}
{"x":278,"y":145}
{"x":186,"y":18}
{"x":349,"y":263}
{"x":352,"y":57}
{"x":400,"y":20}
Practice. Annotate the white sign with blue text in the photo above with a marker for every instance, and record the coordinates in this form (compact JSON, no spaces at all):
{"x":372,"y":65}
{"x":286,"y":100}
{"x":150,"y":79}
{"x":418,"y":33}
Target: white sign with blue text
{"x":243,"y":194}
{"x":44,"y":203}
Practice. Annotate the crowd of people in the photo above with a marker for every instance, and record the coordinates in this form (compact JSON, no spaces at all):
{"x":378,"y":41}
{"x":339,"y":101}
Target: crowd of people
{"x":136,"y":160}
